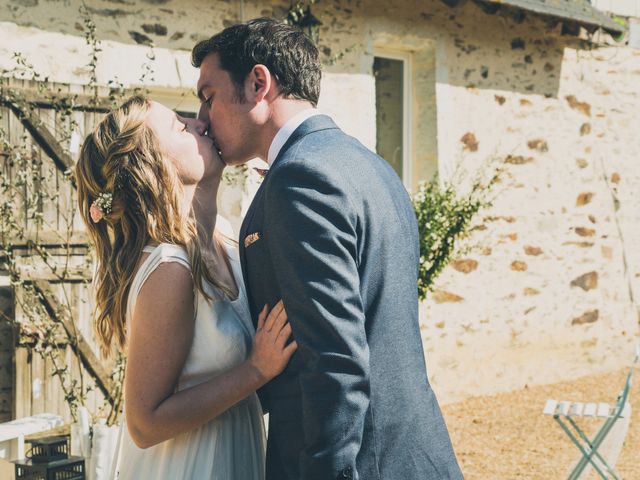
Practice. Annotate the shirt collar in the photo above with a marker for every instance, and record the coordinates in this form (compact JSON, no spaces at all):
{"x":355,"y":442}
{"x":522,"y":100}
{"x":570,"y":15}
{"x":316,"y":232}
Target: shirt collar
{"x":285,"y":132}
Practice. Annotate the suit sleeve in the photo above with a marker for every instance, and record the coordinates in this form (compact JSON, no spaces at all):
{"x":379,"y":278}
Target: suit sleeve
{"x":311,"y":235}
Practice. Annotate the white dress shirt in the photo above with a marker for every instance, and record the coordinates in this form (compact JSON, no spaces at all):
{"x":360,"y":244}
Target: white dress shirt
{"x":285,"y":132}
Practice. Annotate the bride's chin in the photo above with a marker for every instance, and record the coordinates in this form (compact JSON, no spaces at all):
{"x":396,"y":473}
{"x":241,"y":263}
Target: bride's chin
{"x":218,"y":167}
{"x":215,"y":175}
{"x":219,"y":162}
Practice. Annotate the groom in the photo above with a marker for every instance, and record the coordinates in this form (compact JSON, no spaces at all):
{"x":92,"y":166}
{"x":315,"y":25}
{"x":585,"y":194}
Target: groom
{"x":332,"y":232}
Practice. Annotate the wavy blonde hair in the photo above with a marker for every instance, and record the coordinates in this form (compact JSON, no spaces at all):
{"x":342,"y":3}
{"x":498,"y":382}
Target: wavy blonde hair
{"x":122,"y":157}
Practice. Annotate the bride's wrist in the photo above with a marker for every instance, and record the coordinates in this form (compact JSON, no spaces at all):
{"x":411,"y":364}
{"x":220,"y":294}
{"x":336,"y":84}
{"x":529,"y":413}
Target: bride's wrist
{"x":256,"y":377}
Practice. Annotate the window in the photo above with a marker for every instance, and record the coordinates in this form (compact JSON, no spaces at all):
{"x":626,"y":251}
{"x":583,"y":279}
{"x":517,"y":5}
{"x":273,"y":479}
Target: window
{"x":393,"y":111}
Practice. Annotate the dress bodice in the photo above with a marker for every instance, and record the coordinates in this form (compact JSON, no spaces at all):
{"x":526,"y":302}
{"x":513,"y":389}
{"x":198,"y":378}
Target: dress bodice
{"x":223,"y":332}
{"x":232,"y":445}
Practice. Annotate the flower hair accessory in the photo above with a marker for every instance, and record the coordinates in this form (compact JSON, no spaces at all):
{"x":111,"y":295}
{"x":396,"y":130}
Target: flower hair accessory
{"x":100,"y":207}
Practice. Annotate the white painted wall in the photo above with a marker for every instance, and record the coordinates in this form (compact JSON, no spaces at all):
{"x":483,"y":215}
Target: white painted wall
{"x":626,"y":8}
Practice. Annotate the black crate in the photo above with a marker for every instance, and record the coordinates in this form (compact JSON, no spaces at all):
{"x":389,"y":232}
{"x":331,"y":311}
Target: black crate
{"x":49,"y":449}
{"x":71,"y":468}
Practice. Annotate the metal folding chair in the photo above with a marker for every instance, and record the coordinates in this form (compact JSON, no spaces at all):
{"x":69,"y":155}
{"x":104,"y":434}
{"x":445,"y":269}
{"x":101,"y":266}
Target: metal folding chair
{"x":564,"y":413}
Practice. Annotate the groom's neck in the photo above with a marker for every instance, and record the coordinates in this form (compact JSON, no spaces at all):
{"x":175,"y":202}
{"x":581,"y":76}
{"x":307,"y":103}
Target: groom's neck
{"x":281,"y":111}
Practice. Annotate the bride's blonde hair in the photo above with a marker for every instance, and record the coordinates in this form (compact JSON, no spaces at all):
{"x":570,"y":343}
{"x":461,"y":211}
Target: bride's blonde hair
{"x":122,"y":158}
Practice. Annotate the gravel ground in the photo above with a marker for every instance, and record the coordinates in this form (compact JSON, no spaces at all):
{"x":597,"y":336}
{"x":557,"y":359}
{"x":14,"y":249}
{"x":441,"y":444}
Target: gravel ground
{"x":506,"y":436}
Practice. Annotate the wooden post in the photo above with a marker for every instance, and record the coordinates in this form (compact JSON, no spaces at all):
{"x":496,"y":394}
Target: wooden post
{"x":43,"y":137}
{"x":7,"y":351}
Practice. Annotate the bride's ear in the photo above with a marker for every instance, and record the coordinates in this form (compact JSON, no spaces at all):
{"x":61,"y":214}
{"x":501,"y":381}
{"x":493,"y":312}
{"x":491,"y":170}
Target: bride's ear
{"x":259,"y":83}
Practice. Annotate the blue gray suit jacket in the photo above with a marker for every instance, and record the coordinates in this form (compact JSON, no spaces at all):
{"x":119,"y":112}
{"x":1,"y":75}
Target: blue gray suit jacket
{"x":332,"y":232}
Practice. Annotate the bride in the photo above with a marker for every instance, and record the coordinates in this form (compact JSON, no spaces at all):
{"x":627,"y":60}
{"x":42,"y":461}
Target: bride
{"x":169,"y":291}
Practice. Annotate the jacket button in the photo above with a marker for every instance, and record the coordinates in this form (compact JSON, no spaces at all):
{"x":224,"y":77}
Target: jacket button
{"x":347,"y":473}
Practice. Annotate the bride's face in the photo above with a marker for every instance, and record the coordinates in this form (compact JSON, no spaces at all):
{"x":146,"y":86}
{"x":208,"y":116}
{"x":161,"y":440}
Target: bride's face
{"x":193,"y":155}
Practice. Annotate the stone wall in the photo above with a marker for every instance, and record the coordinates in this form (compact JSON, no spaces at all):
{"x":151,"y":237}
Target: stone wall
{"x":545,"y":293}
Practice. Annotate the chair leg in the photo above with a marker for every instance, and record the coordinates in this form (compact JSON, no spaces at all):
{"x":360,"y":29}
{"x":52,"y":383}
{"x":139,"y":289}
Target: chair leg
{"x":594,"y":445}
{"x":586,"y":454}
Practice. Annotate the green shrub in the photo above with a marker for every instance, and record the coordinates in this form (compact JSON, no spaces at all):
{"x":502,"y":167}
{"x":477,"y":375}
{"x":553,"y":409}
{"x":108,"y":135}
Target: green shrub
{"x":444,"y":218}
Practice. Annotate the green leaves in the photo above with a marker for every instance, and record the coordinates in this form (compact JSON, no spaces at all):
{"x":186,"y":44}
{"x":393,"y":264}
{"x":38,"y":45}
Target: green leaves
{"x":444,"y":217}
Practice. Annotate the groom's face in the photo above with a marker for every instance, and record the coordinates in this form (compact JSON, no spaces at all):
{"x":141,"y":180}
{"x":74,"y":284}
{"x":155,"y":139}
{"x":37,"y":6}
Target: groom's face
{"x":227,"y":116}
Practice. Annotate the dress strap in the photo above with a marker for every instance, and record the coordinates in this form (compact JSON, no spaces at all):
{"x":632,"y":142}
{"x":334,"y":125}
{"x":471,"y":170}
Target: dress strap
{"x":163,"y":253}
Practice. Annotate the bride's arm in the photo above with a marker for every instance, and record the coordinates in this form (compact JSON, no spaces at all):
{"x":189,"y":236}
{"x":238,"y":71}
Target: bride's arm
{"x":160,"y":338}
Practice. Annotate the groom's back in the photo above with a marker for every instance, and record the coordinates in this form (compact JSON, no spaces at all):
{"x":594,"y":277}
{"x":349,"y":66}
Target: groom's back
{"x":404,"y":436}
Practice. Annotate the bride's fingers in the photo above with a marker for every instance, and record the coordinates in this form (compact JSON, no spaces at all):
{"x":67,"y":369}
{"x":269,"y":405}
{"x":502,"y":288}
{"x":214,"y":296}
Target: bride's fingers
{"x":292,"y":347}
{"x":280,"y":320}
{"x":273,"y":315}
{"x":261,"y":317}
{"x":283,"y":335}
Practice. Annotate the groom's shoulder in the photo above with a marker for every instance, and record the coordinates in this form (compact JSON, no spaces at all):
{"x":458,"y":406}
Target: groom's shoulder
{"x":326,"y":148}
{"x":324,"y":152}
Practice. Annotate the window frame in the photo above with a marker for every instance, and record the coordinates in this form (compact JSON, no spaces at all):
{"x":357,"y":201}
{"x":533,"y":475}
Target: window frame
{"x":407,"y":116}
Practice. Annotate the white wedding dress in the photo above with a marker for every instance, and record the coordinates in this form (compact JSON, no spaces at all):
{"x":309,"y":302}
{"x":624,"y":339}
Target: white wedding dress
{"x":231,"y":446}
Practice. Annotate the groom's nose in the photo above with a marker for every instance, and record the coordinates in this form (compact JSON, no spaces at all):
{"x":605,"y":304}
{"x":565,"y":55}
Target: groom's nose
{"x":201,"y":126}
{"x":203,"y":119}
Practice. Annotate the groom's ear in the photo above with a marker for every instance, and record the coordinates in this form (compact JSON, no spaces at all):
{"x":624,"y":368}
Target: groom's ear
{"x":259,"y":83}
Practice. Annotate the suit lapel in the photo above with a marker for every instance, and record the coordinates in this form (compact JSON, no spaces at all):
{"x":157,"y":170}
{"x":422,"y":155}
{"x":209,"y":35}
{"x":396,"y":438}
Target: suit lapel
{"x":312,"y":124}
{"x":245,"y":230}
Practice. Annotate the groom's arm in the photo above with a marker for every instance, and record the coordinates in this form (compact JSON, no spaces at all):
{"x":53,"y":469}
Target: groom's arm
{"x":312,"y":240}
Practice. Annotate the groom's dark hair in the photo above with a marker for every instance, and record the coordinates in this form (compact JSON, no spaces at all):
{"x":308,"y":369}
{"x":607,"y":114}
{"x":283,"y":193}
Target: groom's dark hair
{"x":285,"y":50}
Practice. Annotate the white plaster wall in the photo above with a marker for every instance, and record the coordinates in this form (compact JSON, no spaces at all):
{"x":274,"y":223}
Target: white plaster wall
{"x":627,"y":8}
{"x":64,"y":58}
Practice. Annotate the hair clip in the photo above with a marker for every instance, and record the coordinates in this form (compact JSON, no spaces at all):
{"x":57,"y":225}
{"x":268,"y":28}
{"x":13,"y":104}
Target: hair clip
{"x":101,"y":206}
